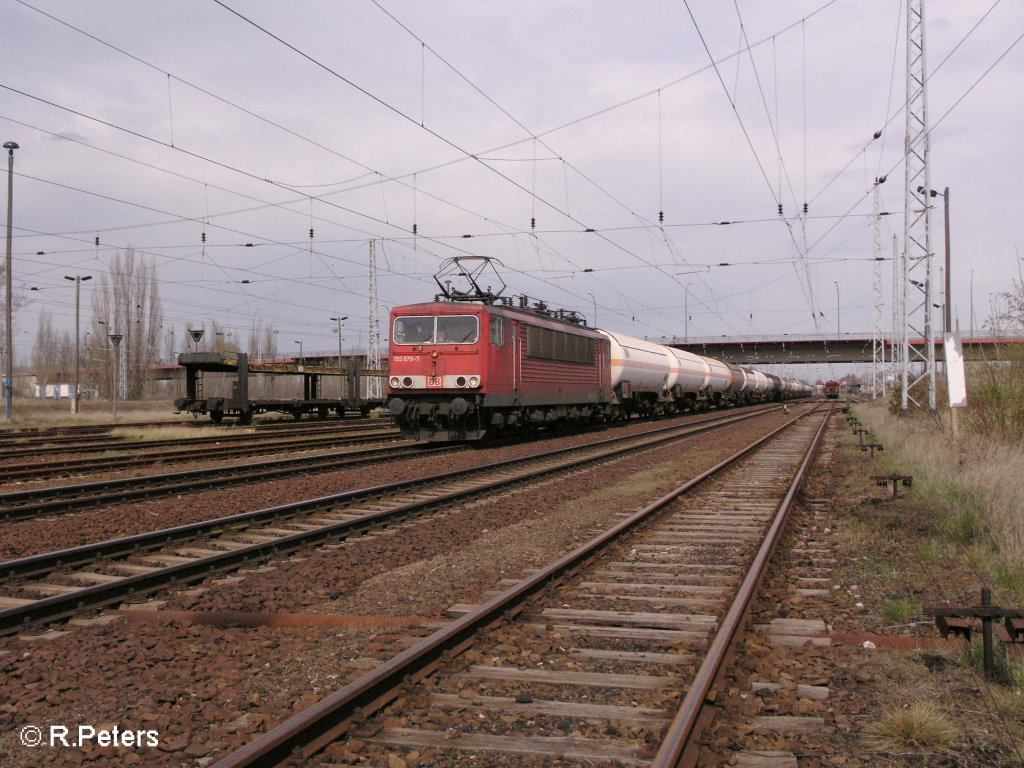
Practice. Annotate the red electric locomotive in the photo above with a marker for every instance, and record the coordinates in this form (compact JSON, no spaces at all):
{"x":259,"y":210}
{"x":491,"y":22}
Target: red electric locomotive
{"x":459,"y":369}
{"x":477,"y":361}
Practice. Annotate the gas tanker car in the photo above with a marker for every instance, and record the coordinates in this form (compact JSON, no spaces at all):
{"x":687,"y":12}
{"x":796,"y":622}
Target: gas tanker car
{"x":466,"y":365}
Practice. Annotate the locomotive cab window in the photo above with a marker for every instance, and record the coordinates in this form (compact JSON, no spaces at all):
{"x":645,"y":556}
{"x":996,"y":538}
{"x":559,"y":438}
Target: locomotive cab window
{"x":443,"y":329}
{"x":457,"y":329}
{"x":496,"y":331}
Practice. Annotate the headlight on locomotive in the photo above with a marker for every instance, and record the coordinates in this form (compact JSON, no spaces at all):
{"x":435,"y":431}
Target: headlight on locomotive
{"x":395,"y":382}
{"x":474,"y":381}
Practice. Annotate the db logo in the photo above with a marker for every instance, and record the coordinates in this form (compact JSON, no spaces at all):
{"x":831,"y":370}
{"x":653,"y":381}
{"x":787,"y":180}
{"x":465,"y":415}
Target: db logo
{"x":434,"y":381}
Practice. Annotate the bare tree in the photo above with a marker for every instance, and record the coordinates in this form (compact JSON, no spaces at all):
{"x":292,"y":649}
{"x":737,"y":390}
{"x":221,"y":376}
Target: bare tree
{"x":1007,"y":309}
{"x":53,"y":356}
{"x":265,"y":345}
{"x":128,"y":303}
{"x":17,"y":304}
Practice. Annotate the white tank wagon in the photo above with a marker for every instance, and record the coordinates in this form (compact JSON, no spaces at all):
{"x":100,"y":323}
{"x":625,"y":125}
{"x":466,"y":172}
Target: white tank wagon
{"x":647,"y":378}
{"x":641,"y":372}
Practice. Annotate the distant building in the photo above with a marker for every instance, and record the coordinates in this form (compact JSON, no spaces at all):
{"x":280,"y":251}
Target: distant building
{"x":62,"y":391}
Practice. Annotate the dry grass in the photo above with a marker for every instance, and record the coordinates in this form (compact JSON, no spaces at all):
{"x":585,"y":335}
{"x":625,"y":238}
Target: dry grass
{"x":185,"y":432}
{"x":996,"y":403}
{"x":921,"y":725}
{"x":976,"y":487}
{"x":52,"y":413}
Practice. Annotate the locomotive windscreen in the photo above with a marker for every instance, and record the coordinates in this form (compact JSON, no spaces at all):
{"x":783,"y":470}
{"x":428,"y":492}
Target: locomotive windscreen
{"x":441,"y":329}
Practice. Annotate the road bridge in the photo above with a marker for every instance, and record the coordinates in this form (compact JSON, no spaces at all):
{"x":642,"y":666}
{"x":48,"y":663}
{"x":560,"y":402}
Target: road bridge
{"x":790,"y":349}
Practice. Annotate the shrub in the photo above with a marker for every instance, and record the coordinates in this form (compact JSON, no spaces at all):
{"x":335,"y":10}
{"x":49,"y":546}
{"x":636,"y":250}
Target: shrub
{"x":921,"y":725}
{"x":902,"y":610}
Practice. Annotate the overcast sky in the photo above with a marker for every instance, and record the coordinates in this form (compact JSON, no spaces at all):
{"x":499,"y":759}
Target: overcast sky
{"x":149,"y":123}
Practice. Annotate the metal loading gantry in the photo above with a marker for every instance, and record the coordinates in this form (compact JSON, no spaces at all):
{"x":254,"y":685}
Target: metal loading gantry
{"x":239,"y":405}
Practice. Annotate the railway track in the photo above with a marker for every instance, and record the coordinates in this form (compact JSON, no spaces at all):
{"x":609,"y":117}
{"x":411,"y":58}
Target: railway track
{"x":235,"y":449}
{"x":43,"y":588}
{"x":103,"y":442}
{"x":69,"y":430}
{"x":28,"y":436}
{"x":62,"y":499}
{"x":609,"y":655}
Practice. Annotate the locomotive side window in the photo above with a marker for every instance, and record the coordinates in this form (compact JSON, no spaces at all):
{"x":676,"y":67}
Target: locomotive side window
{"x":548,"y":344}
{"x":496,"y":331}
{"x":445,"y":329}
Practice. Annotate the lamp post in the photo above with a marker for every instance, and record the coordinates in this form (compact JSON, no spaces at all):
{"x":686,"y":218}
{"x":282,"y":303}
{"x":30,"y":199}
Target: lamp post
{"x":116,"y":339}
{"x":838,"y":331}
{"x":341,"y":379}
{"x":88,"y":350}
{"x":947,"y":305}
{"x":77,"y":279}
{"x":972,"y":303}
{"x":595,"y":307}
{"x":686,"y":293}
{"x":947,"y":315}
{"x":10,"y":146}
{"x":686,"y":312}
{"x":300,"y":351}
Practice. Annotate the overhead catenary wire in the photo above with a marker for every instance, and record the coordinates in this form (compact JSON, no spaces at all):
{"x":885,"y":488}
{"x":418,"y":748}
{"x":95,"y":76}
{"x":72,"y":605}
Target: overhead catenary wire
{"x":554,"y":154}
{"x":808,"y":287}
{"x":199,"y":89}
{"x":652,"y":257}
{"x":448,"y":142}
{"x":932,"y":128}
{"x":828,"y":184}
{"x":423,"y":48}
{"x":535,"y":201}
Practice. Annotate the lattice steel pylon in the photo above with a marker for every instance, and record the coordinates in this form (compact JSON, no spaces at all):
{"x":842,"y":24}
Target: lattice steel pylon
{"x":374,"y":391}
{"x":896,"y":338}
{"x":917,"y":246}
{"x":877,"y":337}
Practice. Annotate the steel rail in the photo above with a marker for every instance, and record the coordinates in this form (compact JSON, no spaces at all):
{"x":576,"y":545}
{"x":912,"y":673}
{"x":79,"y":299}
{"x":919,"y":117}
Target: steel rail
{"x":679,"y":744}
{"x":98,"y":443}
{"x":19,"y":505}
{"x":62,"y":606}
{"x":65,"y":498}
{"x":108,"y":464}
{"x":70,"y":430}
{"x":75,"y":429}
{"x":310,"y":730}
